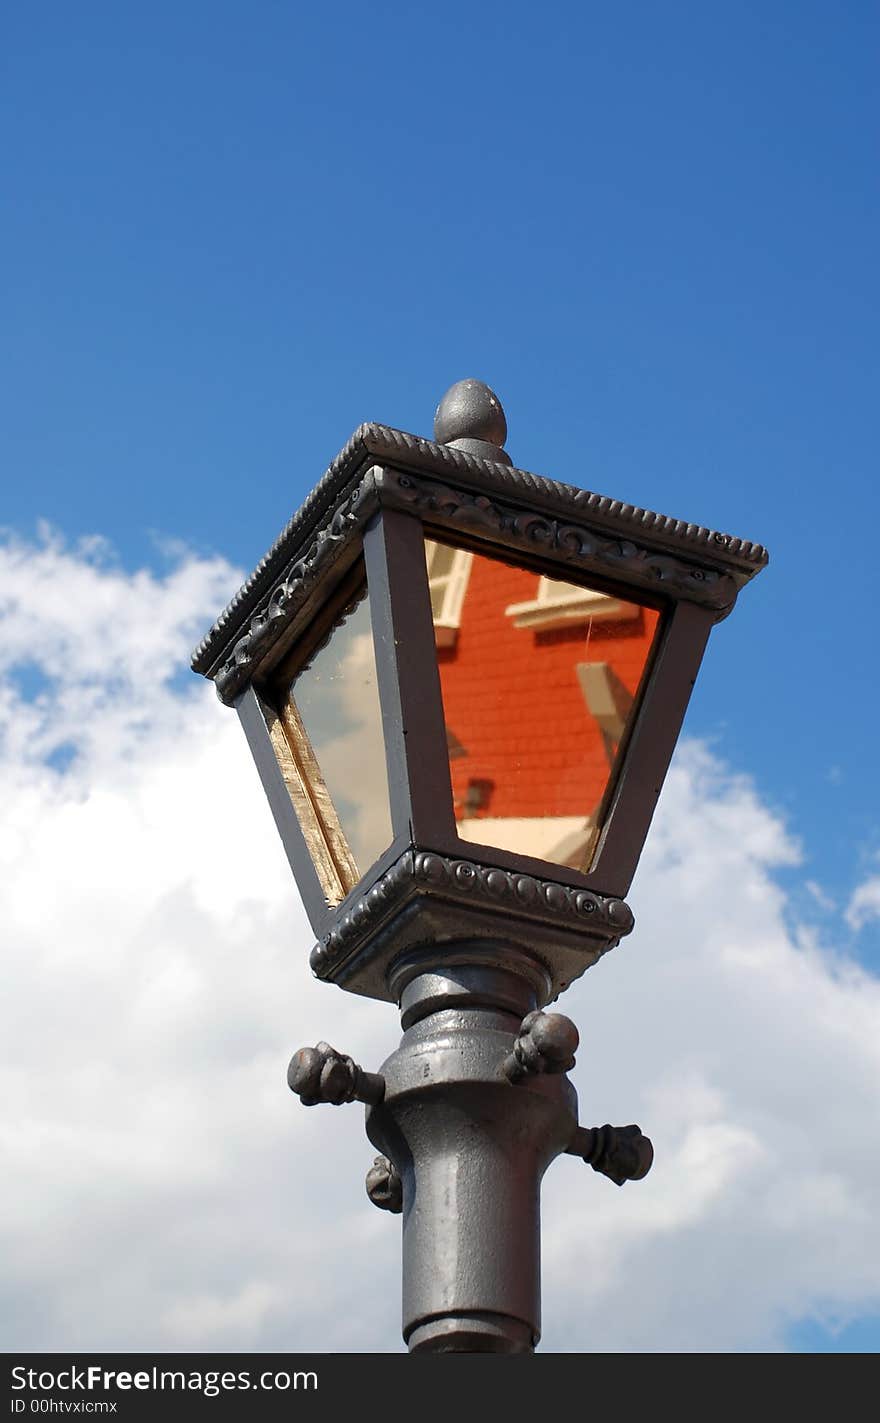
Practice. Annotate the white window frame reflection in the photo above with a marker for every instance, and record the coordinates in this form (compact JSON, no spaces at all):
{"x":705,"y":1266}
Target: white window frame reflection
{"x":560,"y":604}
{"x":447,"y":589}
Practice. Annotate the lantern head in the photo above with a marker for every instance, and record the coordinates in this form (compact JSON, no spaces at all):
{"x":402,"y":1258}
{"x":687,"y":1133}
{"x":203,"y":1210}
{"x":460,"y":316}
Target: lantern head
{"x":462,"y":685}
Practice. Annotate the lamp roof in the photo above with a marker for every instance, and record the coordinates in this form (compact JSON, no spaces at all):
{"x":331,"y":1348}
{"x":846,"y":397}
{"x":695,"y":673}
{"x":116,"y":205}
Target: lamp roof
{"x":471,"y":428}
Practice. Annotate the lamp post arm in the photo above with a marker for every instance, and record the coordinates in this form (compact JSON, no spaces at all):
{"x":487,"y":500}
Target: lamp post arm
{"x":620,"y":1153}
{"x":321,"y":1074}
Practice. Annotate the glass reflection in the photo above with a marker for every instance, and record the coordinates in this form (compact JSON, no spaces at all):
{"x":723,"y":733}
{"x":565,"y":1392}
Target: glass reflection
{"x":540,"y":679}
{"x":336,"y":771}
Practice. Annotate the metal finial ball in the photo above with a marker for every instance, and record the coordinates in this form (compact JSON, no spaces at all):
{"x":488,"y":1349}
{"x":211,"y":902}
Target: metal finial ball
{"x":471,"y":411}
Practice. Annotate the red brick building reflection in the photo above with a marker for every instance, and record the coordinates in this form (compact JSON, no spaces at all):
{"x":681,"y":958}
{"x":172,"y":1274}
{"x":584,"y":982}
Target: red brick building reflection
{"x":538,"y":680}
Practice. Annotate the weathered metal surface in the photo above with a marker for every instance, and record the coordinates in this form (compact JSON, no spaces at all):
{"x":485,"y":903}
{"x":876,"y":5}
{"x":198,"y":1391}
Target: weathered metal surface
{"x":470,"y":1151}
{"x":468,"y":1113}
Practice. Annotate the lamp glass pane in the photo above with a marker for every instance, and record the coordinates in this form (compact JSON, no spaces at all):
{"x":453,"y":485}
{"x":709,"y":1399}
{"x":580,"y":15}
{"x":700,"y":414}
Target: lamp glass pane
{"x":540,"y":681}
{"x":332,"y":724}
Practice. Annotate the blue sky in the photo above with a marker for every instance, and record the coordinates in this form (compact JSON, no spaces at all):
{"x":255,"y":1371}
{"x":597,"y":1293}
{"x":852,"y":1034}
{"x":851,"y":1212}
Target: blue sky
{"x":233,"y":232}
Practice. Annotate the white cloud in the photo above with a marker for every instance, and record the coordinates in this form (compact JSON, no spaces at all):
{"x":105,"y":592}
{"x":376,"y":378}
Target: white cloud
{"x":864,"y":906}
{"x":822,"y":898}
{"x":164,"y":1190}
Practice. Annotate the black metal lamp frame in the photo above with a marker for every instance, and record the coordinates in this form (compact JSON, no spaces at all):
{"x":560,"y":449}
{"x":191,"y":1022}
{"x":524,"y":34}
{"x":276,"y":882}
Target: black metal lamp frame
{"x":437,"y":924}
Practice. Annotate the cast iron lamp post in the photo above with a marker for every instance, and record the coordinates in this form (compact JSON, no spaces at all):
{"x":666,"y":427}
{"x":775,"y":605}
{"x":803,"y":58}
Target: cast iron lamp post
{"x":462,"y":685}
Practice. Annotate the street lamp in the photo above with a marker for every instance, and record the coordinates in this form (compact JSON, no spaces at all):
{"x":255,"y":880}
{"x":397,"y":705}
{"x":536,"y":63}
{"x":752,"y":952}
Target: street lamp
{"x":462,"y":685}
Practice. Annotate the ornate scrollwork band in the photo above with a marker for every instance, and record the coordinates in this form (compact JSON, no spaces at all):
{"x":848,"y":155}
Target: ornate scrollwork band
{"x":287,"y":596}
{"x":686,"y":559}
{"x":578,"y":547}
{"x":425,"y":872}
{"x":576,"y":544}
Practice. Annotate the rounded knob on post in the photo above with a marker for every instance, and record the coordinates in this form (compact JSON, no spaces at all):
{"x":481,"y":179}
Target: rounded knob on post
{"x":470,"y":417}
{"x":384,"y":1186}
{"x":547,"y":1042}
